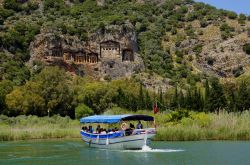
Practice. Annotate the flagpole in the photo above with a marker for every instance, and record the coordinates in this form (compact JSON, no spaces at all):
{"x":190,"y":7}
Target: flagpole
{"x":155,"y":110}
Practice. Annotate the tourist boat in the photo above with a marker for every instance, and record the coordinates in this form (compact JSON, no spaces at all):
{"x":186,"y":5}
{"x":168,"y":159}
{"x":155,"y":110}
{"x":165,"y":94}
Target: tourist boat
{"x":118,"y":139}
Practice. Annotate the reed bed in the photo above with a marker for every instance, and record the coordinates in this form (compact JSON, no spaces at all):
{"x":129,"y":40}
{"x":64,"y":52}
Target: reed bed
{"x":201,"y":126}
{"x":33,"y":127}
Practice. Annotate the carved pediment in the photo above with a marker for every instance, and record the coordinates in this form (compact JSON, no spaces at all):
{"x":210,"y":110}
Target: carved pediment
{"x":109,"y":43}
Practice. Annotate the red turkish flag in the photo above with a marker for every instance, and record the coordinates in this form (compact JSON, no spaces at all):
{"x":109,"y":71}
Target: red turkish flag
{"x":155,"y":108}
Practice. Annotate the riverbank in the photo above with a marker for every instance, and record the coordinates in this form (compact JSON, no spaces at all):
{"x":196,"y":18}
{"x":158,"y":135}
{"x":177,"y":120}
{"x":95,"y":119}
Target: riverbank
{"x":33,"y":127}
{"x":201,"y":126}
{"x":176,"y":126}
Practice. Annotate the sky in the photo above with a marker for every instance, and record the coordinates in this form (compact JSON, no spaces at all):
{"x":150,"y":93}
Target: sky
{"x":238,"y":6}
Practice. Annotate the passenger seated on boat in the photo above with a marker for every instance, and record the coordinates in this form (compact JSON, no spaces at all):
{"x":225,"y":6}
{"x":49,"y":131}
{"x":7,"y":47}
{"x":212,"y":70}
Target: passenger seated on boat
{"x":129,"y":130}
{"x":90,"y":130}
{"x":98,"y":129}
{"x":131,"y":126}
{"x":84,"y":128}
{"x":112,"y":131}
{"x":139,"y":125}
{"x":103,"y":131}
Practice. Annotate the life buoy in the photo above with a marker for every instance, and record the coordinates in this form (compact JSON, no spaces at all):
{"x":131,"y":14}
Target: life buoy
{"x":124,"y":126}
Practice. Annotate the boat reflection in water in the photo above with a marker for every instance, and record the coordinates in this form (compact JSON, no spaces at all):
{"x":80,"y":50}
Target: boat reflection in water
{"x":126,"y":138}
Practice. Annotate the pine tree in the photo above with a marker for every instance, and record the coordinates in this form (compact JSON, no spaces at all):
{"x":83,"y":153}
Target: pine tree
{"x":243,"y":99}
{"x":195,"y":100}
{"x":189,"y":100}
{"x":141,"y":98}
{"x":148,"y":101}
{"x":175,"y":102}
{"x":199,"y":100}
{"x":232,"y":100}
{"x":182,"y":100}
{"x":206,"y":90}
{"x":160,"y":98}
{"x":216,"y":99}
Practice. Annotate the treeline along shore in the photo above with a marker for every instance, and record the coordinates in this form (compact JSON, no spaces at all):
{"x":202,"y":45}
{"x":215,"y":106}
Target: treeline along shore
{"x":173,"y":126}
{"x":205,"y":111}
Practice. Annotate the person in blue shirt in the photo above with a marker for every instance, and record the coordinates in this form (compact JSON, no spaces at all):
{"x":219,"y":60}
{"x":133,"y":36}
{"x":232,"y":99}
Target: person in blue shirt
{"x":90,"y":129}
{"x":139,"y":125}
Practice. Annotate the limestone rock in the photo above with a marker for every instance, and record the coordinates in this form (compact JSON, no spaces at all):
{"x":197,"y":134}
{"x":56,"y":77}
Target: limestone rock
{"x":100,"y":2}
{"x":227,"y":56}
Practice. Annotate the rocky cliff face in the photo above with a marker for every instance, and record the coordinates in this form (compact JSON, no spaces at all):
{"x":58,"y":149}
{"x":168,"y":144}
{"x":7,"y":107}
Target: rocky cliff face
{"x":225,"y":58}
{"x":100,"y":2}
{"x":110,"y":53}
{"x":209,"y":53}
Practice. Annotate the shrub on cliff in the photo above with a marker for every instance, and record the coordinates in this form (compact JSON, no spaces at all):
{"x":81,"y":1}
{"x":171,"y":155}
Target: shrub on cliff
{"x":226,"y":31}
{"x":246,"y":48}
{"x":232,"y":15}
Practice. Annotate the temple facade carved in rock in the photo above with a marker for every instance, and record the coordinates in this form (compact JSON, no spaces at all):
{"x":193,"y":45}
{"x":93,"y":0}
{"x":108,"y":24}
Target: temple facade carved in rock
{"x":107,"y":50}
{"x":112,"y":52}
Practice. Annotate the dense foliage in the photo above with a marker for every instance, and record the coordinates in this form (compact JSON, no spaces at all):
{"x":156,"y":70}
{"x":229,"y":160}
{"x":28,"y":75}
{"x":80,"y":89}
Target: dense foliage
{"x":53,"y":91}
{"x":49,"y":90}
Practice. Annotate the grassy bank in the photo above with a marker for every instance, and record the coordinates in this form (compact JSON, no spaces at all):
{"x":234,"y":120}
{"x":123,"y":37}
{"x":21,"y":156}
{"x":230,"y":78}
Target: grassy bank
{"x":33,"y":127}
{"x":201,"y":126}
{"x":171,"y":126}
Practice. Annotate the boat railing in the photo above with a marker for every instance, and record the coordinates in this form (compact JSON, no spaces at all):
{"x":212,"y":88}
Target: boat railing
{"x":143,"y":131}
{"x":102,"y":136}
{"x":119,"y":133}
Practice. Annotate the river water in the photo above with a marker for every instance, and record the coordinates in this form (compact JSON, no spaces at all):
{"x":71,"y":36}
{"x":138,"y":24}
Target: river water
{"x":74,"y":152}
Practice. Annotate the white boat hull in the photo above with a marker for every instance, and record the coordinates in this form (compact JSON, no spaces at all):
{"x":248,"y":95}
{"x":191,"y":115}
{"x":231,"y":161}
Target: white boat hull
{"x":124,"y":142}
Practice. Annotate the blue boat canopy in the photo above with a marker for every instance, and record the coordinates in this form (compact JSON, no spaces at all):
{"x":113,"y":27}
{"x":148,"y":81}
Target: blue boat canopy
{"x":110,"y":119}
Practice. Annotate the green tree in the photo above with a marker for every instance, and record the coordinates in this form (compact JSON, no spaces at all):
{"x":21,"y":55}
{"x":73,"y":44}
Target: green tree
{"x":141,"y":98}
{"x":26,"y":100}
{"x":207,"y":91}
{"x":4,"y":13}
{"x":232,"y":105}
{"x":12,"y":4}
{"x":99,"y":96}
{"x":15,"y":103}
{"x":56,"y":91}
{"x":232,"y":15}
{"x":243,"y":97}
{"x":57,"y":4}
{"x":6,"y":86}
{"x":16,"y":72}
{"x":121,"y":99}
{"x":182,"y":100}
{"x":242,"y":19}
{"x":83,"y":110}
{"x":216,"y":99}
{"x":189,"y":100}
{"x":148,"y":101}
{"x":175,"y":99}
{"x":160,"y":99}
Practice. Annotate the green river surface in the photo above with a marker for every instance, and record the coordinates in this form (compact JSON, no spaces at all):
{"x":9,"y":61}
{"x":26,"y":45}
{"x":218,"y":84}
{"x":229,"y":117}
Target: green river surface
{"x":75,"y":152}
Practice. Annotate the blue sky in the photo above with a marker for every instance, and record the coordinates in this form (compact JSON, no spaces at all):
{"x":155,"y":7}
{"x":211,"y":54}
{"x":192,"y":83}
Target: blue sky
{"x":238,"y":6}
